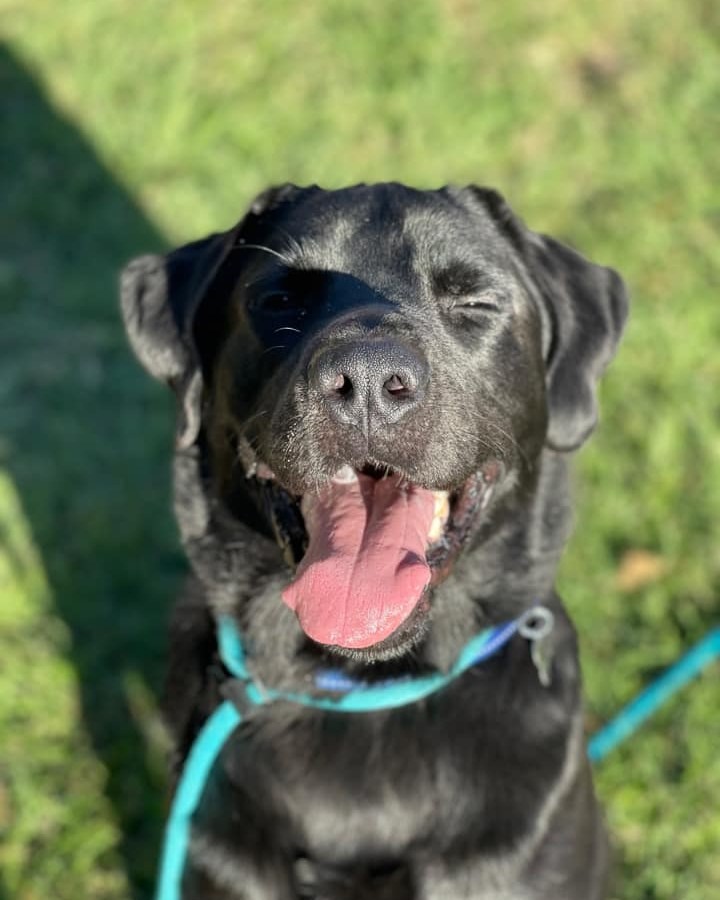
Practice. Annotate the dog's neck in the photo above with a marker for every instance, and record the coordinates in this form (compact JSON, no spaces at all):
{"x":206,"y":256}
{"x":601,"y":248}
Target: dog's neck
{"x":509,"y":565}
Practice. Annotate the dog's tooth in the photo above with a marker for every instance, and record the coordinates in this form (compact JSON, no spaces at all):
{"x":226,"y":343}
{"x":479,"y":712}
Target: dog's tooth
{"x":263,"y":471}
{"x":436,"y":529}
{"x":346,"y":475}
{"x":442,"y":505}
{"x":441,"y":512}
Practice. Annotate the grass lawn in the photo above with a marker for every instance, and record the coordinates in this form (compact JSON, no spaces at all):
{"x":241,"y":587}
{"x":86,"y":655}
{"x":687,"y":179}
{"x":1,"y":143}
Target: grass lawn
{"x":131,"y":126}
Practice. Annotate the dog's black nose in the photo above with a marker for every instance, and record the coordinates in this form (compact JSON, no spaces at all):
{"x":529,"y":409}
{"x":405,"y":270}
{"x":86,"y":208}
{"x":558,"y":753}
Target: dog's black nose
{"x":369,"y":383}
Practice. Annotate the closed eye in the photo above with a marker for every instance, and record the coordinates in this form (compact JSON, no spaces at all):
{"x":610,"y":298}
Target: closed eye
{"x":464,"y":287}
{"x":486,"y":302}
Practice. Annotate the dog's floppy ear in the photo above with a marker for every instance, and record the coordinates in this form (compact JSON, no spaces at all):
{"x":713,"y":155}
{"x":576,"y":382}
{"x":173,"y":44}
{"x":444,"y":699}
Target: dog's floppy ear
{"x":584,"y":307}
{"x":160,"y":297}
{"x":588,"y":305}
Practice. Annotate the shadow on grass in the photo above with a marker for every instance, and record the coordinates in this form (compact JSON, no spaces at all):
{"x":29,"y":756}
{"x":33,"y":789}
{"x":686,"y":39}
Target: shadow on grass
{"x":87,"y":437}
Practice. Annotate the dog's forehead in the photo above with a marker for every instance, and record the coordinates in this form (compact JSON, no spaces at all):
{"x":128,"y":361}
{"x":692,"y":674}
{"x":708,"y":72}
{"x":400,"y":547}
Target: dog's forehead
{"x":387,"y":226}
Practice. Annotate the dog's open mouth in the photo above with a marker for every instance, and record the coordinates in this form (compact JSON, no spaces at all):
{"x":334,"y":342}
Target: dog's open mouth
{"x":367,"y":545}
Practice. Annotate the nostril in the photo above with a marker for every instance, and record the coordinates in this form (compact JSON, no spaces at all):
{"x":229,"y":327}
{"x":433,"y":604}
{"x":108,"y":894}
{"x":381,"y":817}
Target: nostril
{"x":342,"y":385}
{"x":398,"y":387}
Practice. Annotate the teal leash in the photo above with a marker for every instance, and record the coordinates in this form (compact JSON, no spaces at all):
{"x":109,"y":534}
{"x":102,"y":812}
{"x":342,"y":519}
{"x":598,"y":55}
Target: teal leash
{"x":354,"y":697}
{"x":632,"y":716}
{"x":358,"y":696}
{"x":208,"y":744}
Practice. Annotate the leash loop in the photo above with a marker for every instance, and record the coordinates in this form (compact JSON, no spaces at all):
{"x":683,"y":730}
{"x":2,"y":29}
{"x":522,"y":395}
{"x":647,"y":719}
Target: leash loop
{"x":536,"y":626}
{"x":536,"y":623}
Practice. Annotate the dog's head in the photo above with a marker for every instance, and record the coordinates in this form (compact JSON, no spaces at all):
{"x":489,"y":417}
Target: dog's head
{"x":372,"y":365}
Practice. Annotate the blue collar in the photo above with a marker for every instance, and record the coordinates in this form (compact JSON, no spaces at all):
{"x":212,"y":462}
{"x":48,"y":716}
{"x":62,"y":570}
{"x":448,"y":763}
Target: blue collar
{"x":339,"y":693}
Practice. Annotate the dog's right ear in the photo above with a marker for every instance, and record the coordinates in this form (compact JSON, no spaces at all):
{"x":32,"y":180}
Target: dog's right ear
{"x":585,"y":307}
{"x":159,"y":296}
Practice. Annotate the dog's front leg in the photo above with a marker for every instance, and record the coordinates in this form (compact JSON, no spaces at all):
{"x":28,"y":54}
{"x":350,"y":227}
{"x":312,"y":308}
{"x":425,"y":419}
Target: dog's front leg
{"x":254,"y":870}
{"x":236,"y":849}
{"x":215,"y":871}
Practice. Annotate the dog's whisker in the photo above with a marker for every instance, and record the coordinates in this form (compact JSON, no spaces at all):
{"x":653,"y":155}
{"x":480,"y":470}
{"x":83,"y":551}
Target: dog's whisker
{"x":294,"y":246}
{"x":476,"y":437}
{"x":256,"y":415}
{"x":284,"y":259}
{"x":488,"y":423}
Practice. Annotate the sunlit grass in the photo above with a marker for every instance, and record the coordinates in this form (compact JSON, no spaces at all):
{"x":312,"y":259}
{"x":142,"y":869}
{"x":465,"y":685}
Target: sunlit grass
{"x":599,"y":121}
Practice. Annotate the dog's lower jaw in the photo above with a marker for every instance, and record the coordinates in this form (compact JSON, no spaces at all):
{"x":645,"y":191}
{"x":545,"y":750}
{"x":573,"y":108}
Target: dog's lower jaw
{"x":397,"y":645}
{"x":505,"y":565}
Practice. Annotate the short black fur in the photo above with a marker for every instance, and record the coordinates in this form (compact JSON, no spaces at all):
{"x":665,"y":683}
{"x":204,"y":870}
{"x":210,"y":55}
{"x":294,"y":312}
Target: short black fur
{"x":483,"y":790}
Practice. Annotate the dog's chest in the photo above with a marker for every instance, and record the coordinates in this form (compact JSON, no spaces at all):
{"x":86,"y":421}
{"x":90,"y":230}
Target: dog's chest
{"x":348,"y":786}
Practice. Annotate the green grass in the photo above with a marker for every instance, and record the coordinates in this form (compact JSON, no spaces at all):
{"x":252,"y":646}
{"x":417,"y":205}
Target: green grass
{"x":130,"y":126}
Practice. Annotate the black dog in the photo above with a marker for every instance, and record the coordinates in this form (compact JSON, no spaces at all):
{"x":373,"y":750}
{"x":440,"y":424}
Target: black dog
{"x":378,"y":391}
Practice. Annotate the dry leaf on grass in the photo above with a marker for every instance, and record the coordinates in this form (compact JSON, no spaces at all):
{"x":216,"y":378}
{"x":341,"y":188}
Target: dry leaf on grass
{"x":639,"y":568}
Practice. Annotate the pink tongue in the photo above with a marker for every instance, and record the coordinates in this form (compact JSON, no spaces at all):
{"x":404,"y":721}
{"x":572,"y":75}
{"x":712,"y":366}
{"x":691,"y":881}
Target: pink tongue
{"x":365,"y":567}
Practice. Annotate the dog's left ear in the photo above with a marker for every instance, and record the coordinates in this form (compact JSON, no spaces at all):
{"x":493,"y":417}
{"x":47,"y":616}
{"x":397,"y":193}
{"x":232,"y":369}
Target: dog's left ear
{"x":585,"y":307}
{"x":159,"y":296}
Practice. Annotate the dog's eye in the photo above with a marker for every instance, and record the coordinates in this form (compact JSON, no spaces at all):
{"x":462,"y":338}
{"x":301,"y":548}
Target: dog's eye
{"x":483,"y":302}
{"x":464,"y":288}
{"x":275,"y":302}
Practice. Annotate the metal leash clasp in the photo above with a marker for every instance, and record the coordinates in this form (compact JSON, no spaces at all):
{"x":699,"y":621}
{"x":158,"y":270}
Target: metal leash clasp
{"x":536,"y":626}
